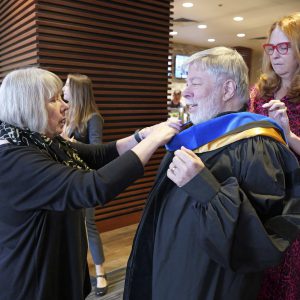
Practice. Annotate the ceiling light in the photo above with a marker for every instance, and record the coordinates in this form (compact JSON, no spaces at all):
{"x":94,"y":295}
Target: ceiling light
{"x":187,"y":4}
{"x":240,"y":34}
{"x":211,"y":40}
{"x":202,"y":26}
{"x":173,"y":33}
{"x":238,"y":19}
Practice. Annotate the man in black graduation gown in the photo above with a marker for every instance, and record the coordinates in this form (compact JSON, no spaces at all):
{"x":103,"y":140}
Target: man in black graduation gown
{"x":220,"y":211}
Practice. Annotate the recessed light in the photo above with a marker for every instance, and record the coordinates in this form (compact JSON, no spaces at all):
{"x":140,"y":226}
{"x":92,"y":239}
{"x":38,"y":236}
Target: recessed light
{"x":211,"y":40}
{"x":173,"y":33}
{"x":187,"y":4}
{"x":241,"y":35}
{"x":202,"y":26}
{"x":238,"y":19}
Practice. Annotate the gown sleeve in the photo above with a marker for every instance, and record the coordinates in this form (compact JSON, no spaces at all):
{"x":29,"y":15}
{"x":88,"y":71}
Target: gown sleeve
{"x":234,"y":213}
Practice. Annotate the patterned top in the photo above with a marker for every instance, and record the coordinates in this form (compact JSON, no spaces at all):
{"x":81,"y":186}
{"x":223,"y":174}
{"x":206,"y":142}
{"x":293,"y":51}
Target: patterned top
{"x":293,"y":110}
{"x":281,"y":282}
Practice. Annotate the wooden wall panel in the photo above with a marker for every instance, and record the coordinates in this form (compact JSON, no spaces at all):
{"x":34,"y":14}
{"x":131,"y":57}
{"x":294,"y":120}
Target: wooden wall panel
{"x":18,"y":35}
{"x":122,"y":45}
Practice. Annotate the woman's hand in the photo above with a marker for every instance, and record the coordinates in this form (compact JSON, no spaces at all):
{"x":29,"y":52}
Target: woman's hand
{"x":151,"y":138}
{"x":278,"y":111}
{"x":162,"y":132}
{"x":184,"y":166}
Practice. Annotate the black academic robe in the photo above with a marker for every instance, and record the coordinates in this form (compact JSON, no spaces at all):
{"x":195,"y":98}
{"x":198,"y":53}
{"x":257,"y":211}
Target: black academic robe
{"x":212,"y":238}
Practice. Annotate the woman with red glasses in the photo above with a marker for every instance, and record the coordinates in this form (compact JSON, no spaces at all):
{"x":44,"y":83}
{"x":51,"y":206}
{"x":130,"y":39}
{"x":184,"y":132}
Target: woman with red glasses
{"x":280,"y":79}
{"x":277,"y":94}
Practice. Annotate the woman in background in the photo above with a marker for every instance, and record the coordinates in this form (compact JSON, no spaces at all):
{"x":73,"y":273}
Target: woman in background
{"x":85,"y":124}
{"x":280,"y":78}
{"x":277,"y":94}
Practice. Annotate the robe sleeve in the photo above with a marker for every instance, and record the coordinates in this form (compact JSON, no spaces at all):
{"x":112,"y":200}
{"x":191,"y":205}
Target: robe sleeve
{"x":233,"y":213}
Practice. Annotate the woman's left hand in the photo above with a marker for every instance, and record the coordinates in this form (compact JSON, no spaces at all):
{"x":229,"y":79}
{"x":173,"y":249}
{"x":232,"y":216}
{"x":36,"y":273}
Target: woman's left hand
{"x":278,"y":111}
{"x":171,"y":122}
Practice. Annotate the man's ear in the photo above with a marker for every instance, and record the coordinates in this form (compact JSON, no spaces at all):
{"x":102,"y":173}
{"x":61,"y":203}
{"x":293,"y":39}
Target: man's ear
{"x":229,"y":89}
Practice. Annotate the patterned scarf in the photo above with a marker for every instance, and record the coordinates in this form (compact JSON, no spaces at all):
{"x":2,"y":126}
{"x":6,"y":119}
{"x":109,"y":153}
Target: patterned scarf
{"x":57,"y":148}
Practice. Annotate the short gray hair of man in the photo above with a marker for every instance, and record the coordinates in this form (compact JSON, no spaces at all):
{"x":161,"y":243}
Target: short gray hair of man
{"x":23,"y":96}
{"x":224,"y":63}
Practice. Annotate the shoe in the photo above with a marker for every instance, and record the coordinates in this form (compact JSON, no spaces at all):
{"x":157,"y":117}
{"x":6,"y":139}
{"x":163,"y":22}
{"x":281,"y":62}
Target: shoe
{"x":101,"y":291}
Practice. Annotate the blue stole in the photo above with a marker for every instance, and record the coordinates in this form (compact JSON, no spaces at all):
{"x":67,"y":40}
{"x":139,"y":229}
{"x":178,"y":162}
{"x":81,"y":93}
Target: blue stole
{"x":203,"y":133}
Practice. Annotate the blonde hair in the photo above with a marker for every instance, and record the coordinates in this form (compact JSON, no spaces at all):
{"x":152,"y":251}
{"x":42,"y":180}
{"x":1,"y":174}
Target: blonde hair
{"x":23,"y":96}
{"x":82,"y":103}
{"x":224,"y":63}
{"x":269,"y":82}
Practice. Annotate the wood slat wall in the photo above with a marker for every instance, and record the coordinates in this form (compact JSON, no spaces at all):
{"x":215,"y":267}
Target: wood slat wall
{"x":18,"y":35}
{"x":122,"y":45}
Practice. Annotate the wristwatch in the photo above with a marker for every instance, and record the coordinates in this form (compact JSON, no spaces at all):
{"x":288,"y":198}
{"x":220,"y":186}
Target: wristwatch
{"x":137,"y":136}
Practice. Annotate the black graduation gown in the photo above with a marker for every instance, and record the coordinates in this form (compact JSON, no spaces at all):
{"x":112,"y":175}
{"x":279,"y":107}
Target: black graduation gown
{"x":212,"y":238}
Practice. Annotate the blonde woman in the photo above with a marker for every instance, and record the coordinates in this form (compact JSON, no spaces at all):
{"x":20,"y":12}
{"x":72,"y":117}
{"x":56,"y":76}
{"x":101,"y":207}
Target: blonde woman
{"x":85,"y":124}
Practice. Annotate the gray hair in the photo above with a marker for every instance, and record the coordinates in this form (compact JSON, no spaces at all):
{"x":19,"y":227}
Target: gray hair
{"x":23,"y":96}
{"x":224,"y":63}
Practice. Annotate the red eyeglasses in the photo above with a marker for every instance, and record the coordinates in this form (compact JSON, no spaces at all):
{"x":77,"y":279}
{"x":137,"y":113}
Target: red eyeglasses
{"x":281,"y":48}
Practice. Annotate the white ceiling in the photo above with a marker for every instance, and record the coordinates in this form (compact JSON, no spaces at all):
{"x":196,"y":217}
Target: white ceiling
{"x":217,"y":15}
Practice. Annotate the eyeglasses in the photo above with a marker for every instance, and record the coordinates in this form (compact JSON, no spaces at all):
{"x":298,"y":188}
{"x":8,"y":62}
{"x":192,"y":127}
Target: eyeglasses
{"x":281,"y":48}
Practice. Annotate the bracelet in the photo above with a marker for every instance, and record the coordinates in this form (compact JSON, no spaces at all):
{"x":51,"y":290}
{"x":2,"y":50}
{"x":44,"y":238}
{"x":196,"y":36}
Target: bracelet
{"x":137,"y":136}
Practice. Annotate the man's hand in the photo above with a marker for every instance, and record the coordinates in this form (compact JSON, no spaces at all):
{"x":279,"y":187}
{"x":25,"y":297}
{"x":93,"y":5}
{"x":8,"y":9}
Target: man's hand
{"x":184,"y":166}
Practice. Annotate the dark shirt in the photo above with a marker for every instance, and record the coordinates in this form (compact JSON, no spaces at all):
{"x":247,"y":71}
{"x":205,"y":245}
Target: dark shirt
{"x":93,"y":131}
{"x":174,"y":105}
{"x":42,"y":232}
